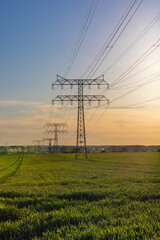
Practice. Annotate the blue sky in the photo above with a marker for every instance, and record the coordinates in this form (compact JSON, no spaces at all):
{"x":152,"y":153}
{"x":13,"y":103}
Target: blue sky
{"x":37,"y":37}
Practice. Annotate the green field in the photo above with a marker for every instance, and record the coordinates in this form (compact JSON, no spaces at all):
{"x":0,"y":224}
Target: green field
{"x":109,"y":196}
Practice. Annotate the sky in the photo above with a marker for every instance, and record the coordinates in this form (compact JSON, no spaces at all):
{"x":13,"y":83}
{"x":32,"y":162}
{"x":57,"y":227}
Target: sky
{"x":37,"y":42}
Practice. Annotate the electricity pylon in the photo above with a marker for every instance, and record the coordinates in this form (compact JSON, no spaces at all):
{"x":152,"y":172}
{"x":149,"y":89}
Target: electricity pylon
{"x":52,"y":130}
{"x":38,"y":143}
{"x":81,"y":148}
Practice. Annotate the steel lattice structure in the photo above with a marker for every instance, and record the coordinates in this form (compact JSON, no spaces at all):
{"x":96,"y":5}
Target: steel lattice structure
{"x":38,"y":142}
{"x":74,"y":82}
{"x":81,"y":148}
{"x":52,"y":131}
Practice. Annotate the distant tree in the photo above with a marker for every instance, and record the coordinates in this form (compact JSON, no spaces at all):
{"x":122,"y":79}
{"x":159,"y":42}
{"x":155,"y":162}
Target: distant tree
{"x":103,"y":151}
{"x":22,"y":148}
{"x":73,"y":150}
{"x":123,"y":149}
{"x":64,"y":149}
{"x":3,"y":150}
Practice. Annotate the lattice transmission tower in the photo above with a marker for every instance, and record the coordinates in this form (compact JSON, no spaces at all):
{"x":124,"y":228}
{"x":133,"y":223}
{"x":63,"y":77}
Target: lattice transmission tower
{"x":38,"y":147}
{"x":80,"y":97}
{"x":38,"y":142}
{"x":52,"y":132}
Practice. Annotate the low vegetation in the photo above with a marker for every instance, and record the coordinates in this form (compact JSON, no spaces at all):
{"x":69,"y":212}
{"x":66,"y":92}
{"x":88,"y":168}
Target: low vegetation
{"x":108,"y":196}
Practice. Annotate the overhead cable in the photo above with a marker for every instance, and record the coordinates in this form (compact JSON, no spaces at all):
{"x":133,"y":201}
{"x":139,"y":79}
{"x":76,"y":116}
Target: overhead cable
{"x":82,"y":34}
{"x":110,"y":42}
{"x":133,"y":43}
{"x":137,"y":62}
{"x":136,"y":88}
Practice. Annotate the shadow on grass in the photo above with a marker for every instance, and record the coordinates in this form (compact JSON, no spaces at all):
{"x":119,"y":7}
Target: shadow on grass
{"x":145,"y":198}
{"x":88,"y":196}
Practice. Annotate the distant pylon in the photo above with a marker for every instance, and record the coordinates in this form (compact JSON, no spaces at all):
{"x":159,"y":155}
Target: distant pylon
{"x":81,"y":148}
{"x":38,"y":142}
{"x":52,"y":131}
{"x":38,"y":147}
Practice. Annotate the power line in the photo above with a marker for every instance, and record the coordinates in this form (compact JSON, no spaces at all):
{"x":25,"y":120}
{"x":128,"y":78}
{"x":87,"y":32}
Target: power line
{"x":127,"y":106}
{"x":133,"y":43}
{"x":135,"y":89}
{"x":103,"y":53}
{"x":106,"y":42}
{"x":82,"y":34}
{"x":121,"y":107}
{"x":137,"y":62}
{"x":113,"y":44}
{"x":110,"y":38}
{"x":79,"y":41}
{"x":130,"y":85}
{"x":78,"y":37}
{"x":140,"y":103}
{"x":137,"y":73}
{"x":123,"y":19}
{"x":121,"y":79}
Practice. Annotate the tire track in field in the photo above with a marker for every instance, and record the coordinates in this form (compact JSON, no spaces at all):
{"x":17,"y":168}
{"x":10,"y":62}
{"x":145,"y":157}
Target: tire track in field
{"x":12,"y":173}
{"x":10,"y":165}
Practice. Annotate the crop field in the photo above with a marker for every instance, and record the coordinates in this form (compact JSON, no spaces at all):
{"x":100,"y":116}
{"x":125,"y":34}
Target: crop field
{"x":108,"y":196}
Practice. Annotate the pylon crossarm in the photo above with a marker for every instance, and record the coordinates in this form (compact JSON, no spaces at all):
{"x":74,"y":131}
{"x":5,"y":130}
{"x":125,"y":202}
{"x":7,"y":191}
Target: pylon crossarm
{"x":74,"y":82}
{"x":75,"y":98}
{"x":47,"y":125}
{"x":95,"y":82}
{"x":51,"y":133}
{"x":58,"y":131}
{"x":48,"y":138}
{"x":61,"y":81}
{"x":38,"y":140}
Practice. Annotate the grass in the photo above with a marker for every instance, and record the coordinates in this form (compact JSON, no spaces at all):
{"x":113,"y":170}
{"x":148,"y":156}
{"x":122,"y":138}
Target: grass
{"x":6,"y":160}
{"x":109,"y":196}
{"x":10,"y":170}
